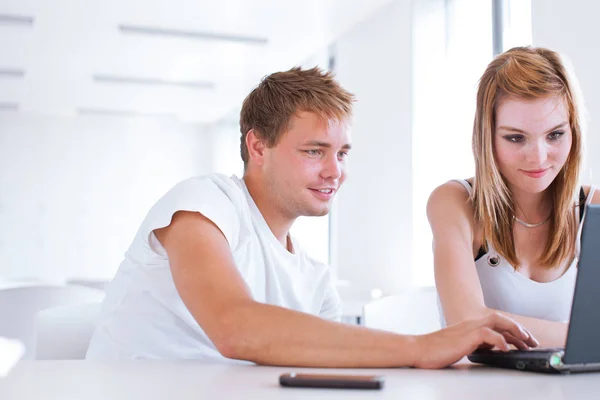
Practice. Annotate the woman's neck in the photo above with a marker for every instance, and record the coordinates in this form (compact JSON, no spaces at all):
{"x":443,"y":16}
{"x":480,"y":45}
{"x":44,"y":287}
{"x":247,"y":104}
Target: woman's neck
{"x":532,"y":207}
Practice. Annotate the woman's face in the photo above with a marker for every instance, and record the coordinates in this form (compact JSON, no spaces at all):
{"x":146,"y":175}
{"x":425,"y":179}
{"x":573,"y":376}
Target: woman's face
{"x":532,"y":141}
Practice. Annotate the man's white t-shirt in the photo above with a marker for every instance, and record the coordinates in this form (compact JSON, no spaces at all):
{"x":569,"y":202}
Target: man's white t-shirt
{"x":142,"y":314}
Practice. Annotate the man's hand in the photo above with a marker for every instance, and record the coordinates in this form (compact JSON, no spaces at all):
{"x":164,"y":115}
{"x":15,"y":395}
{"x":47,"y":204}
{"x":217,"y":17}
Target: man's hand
{"x":442,"y":348}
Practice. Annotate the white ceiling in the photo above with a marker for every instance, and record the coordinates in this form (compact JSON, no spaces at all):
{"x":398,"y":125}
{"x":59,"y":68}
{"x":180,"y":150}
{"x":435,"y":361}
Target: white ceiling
{"x":70,"y":41}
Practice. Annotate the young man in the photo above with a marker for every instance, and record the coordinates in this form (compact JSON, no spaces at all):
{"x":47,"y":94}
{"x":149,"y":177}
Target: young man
{"x":213,"y":273}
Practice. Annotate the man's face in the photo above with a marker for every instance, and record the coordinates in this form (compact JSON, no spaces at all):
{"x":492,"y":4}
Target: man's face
{"x":305,"y":169}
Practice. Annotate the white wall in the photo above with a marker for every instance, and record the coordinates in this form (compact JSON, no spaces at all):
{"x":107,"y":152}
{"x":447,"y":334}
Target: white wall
{"x":373,"y":220}
{"x":73,"y":190}
{"x":224,"y":137}
{"x":572,"y":28}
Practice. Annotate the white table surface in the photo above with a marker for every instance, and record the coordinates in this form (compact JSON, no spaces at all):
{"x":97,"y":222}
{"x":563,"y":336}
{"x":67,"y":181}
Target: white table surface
{"x":173,"y":380}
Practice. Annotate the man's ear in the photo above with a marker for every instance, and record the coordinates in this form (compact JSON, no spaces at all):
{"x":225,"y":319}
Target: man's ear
{"x":256,"y":147}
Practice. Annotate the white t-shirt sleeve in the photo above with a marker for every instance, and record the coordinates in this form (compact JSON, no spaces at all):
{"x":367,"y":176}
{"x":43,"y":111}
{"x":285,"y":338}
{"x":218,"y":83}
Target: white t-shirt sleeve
{"x":214,"y":197}
{"x":331,"y":308}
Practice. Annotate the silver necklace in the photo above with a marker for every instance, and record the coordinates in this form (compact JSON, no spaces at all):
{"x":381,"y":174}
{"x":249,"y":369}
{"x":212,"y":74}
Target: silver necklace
{"x":528,"y":225}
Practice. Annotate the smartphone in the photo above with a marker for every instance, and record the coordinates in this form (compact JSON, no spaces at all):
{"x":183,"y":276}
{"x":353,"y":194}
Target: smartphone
{"x":332,"y":381}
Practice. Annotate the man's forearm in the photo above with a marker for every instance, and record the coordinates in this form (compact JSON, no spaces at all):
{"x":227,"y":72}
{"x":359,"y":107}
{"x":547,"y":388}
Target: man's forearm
{"x":272,"y":335}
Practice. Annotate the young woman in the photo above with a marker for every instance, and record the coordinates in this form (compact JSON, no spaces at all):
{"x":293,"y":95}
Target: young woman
{"x":508,"y":239}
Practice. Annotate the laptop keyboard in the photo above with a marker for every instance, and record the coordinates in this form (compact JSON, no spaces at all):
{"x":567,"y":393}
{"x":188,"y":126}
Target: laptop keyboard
{"x":534,"y":350}
{"x":542,"y":349}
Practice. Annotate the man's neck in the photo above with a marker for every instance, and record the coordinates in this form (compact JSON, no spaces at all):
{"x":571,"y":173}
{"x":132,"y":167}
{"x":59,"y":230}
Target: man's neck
{"x":268,"y":207}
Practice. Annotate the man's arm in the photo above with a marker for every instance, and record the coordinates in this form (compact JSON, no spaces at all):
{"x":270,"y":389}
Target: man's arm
{"x":215,"y":293}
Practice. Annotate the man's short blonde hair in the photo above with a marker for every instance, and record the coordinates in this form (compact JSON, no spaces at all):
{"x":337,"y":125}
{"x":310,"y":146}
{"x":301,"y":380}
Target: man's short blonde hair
{"x":279,"y":96}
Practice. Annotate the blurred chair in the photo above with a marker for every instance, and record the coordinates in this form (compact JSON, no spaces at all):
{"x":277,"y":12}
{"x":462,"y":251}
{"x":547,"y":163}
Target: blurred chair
{"x":19,"y":306}
{"x":11,"y":351}
{"x":412,"y":313}
{"x":92,"y":283}
{"x":64,"y":332}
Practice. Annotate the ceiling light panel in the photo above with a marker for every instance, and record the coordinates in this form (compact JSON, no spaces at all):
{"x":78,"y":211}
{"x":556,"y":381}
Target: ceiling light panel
{"x":8,"y":106}
{"x":12,"y":73}
{"x":15,"y":20}
{"x":121,"y":113}
{"x":107,"y":78}
{"x":185,"y":34}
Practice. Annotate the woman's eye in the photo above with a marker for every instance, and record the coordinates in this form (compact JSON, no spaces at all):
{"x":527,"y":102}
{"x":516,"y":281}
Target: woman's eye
{"x":555,"y":135}
{"x":514,"y":138}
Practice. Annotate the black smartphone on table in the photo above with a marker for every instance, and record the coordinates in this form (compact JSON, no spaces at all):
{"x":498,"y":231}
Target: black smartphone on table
{"x":331,"y":381}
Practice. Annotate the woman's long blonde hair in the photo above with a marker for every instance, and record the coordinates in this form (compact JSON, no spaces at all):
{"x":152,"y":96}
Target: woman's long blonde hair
{"x":525,"y":73}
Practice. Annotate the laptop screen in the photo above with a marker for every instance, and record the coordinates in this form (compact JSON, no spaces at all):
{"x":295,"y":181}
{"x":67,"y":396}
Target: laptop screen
{"x":583,"y":344}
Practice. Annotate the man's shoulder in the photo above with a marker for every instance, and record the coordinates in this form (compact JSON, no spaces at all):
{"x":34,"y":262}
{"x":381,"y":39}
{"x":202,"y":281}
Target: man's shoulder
{"x":215,"y":180}
{"x":217,"y":197}
{"x":210,"y":187}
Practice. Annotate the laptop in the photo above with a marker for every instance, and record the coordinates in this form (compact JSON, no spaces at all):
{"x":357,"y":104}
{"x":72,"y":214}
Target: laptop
{"x":582,"y":352}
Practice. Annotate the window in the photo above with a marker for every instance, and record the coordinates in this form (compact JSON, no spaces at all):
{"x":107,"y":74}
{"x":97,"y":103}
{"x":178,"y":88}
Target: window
{"x":516,"y":29}
{"x":452,"y":45}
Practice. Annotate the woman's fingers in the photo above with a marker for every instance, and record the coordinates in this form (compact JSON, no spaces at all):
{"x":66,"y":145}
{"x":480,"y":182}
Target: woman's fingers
{"x":501,"y":323}
{"x":490,"y":337}
{"x":518,"y":343}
